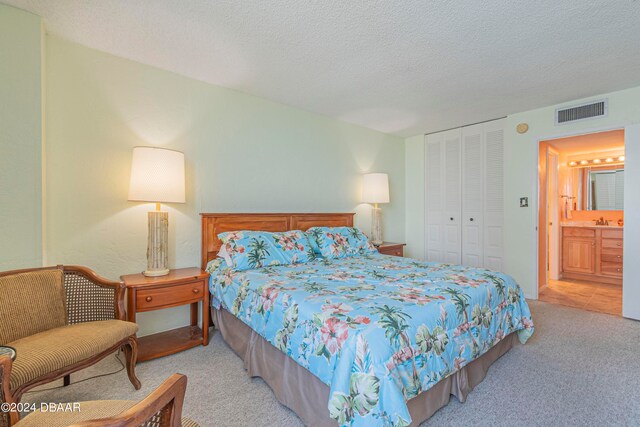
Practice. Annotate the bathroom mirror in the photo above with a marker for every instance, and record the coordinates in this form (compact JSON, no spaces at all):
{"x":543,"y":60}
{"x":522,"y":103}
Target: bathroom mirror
{"x":600,"y":189}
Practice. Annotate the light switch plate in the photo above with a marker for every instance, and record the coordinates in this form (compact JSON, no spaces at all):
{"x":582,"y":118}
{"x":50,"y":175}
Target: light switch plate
{"x":524,"y":202}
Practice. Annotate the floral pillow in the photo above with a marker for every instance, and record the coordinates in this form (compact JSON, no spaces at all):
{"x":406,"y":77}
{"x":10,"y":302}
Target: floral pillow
{"x":245,"y":250}
{"x":339,"y":242}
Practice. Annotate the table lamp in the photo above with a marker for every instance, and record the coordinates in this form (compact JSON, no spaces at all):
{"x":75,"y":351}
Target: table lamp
{"x":375,"y":189}
{"x":157,"y":175}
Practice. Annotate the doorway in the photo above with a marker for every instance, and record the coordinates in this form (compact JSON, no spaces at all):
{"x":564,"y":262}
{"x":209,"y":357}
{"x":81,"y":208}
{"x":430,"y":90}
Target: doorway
{"x":581,"y":220}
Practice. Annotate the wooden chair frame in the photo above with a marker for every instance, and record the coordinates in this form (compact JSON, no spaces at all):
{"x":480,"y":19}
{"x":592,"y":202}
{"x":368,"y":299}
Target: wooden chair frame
{"x":5,"y":393}
{"x":164,"y":404}
{"x":129,"y":344}
{"x":166,"y":401}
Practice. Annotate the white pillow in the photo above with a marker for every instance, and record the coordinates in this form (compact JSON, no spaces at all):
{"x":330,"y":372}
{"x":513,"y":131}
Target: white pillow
{"x":222,"y":253}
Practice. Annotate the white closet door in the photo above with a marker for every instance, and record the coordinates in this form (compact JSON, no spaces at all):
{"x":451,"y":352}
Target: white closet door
{"x":434,"y":197}
{"x":493,"y":220}
{"x":472,"y":195}
{"x":452,"y":197}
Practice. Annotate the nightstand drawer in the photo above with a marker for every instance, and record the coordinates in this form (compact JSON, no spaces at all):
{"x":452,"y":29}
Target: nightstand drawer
{"x":147,"y":299}
{"x":392,"y":251}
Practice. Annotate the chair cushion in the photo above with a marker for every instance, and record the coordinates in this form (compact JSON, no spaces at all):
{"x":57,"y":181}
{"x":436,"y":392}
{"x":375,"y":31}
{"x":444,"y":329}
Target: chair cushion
{"x":88,"y":411}
{"x":31,"y":302}
{"x":55,"y":349}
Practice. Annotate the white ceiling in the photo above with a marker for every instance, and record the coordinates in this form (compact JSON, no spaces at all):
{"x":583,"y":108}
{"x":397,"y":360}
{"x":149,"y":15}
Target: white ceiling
{"x":590,"y":143}
{"x":403,"y":67}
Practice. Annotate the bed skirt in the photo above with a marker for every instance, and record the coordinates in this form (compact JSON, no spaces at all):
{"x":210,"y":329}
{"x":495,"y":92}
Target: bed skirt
{"x":304,"y":393}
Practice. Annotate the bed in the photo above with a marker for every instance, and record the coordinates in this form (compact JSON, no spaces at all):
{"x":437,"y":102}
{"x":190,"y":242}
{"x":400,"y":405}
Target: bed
{"x":363,"y":340}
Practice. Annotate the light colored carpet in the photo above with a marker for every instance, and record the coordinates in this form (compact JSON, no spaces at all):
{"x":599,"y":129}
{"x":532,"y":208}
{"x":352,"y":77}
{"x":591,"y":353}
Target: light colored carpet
{"x":579,"y":368}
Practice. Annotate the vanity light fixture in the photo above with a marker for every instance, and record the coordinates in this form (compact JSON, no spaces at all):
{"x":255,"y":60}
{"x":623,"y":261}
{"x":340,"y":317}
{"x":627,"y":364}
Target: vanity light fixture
{"x":597,"y":162}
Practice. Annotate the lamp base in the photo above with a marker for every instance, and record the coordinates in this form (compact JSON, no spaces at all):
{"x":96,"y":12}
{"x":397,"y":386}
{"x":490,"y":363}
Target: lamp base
{"x":156,"y":273}
{"x":376,"y":226}
{"x":158,"y":244}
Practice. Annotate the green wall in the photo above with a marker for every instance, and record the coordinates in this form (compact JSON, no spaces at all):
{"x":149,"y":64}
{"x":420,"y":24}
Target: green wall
{"x":20,"y":139}
{"x":243,"y":154}
{"x":414,"y":189}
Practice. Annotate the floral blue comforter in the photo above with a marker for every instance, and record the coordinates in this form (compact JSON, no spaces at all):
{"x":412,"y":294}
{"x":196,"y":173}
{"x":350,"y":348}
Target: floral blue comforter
{"x":377,"y":329}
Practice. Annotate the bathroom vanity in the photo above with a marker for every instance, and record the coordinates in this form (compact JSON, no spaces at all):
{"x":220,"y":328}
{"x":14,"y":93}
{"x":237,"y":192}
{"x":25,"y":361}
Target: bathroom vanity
{"x":593,"y":253}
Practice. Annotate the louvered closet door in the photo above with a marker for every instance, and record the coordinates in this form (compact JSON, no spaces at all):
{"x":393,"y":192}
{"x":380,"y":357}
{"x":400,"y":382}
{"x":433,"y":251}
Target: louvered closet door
{"x":434,"y":197}
{"x":472,"y":195}
{"x":452,"y":197}
{"x":493,"y":223}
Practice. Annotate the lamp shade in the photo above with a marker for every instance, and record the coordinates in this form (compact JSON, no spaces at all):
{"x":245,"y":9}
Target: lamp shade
{"x":157,"y":175}
{"x":375,"y":188}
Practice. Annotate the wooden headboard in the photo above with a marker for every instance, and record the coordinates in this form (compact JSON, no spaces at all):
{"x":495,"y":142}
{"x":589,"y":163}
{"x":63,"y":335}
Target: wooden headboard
{"x":216,"y":223}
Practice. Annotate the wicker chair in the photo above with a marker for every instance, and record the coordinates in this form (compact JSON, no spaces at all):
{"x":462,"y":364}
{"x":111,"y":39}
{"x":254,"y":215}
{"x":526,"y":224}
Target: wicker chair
{"x":162,"y":408}
{"x":60,"y":320}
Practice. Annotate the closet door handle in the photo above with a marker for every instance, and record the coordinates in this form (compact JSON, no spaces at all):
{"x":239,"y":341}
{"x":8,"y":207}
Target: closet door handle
{"x":471,"y":219}
{"x":451,"y":219}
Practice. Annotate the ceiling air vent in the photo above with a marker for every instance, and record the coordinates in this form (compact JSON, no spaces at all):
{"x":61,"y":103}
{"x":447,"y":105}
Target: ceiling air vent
{"x":582,"y":112}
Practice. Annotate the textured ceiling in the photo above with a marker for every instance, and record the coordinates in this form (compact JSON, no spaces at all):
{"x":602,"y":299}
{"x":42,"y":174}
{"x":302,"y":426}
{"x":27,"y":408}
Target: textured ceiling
{"x":403,"y":67}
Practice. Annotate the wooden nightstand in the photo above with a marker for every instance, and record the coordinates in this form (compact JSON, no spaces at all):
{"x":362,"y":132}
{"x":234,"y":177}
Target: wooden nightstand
{"x":390,"y":248}
{"x":179,"y":287}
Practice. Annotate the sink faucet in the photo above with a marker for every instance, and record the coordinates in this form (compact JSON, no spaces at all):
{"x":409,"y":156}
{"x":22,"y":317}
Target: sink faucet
{"x":601,"y":221}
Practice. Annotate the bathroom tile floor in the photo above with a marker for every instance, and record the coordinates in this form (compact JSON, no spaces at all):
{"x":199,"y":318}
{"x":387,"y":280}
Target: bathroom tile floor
{"x":591,"y":296}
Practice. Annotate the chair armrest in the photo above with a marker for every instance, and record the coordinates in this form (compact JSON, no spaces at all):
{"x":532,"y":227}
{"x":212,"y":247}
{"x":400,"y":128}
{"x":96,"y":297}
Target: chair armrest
{"x":163,"y":406}
{"x":91,"y":297}
{"x":10,"y":418}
